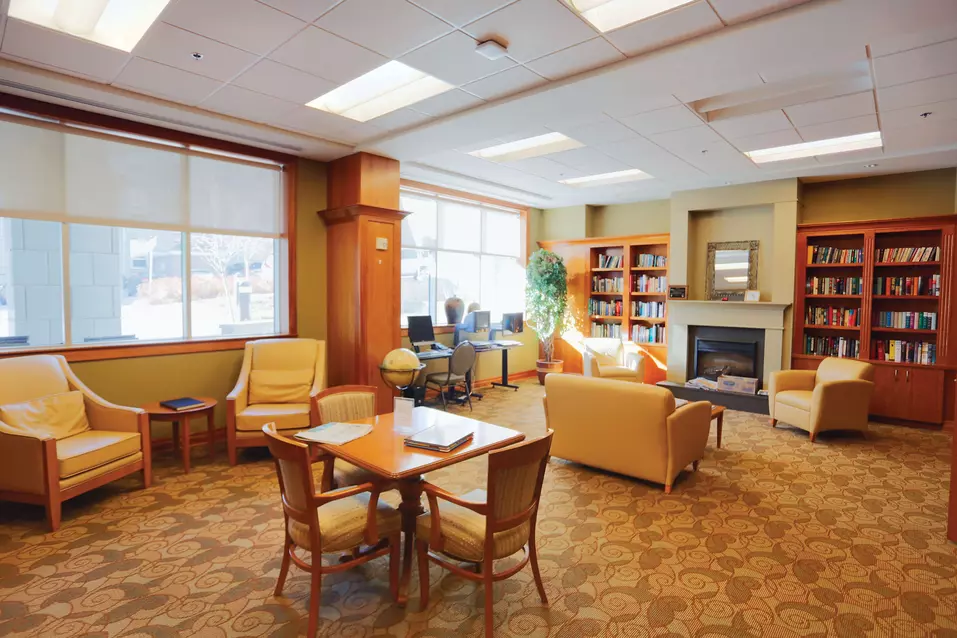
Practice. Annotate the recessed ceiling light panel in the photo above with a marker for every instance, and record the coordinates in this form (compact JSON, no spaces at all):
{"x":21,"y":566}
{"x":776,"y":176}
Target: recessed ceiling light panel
{"x":820,"y":147}
{"x":119,"y":24}
{"x":382,"y":90}
{"x":606,"y":179}
{"x":528,"y":147}
{"x":606,"y":15}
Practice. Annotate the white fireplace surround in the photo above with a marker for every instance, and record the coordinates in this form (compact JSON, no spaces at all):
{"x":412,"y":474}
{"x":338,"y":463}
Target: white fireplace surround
{"x":766,"y":316}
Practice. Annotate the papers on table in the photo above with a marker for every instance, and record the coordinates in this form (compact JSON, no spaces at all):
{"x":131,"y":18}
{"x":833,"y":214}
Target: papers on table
{"x":402,"y":411}
{"x":335,"y":433}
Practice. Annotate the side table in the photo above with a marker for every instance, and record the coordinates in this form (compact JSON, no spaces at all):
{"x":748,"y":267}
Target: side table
{"x":180,"y":420}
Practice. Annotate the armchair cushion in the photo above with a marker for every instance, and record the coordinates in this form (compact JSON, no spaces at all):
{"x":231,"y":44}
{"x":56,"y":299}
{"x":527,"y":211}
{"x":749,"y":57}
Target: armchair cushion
{"x":27,"y":378}
{"x":58,"y":416}
{"x":91,"y":449}
{"x":463,"y":531}
{"x":286,"y":416}
{"x":343,"y":523}
{"x":280,"y":386}
{"x":800,"y":399}
{"x":613,"y":372}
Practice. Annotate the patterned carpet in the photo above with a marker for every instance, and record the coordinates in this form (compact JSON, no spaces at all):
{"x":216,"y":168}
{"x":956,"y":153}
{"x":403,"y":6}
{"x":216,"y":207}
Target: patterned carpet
{"x":773,"y":536}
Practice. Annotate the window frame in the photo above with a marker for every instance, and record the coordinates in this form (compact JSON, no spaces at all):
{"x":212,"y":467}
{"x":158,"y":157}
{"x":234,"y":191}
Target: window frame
{"x":438,"y":191}
{"x":119,"y":128}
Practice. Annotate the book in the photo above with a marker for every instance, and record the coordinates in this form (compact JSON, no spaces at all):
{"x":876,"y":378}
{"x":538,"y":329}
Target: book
{"x":334,"y":433}
{"x":441,"y":438}
{"x":184,"y":403}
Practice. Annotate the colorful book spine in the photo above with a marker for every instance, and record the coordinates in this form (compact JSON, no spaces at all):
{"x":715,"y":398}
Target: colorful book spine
{"x":644,"y":283}
{"x":607,"y":284}
{"x":648,"y":334}
{"x":925,"y":285}
{"x":903,"y":351}
{"x":828,"y":255}
{"x":644,"y":260}
{"x":610,"y":261}
{"x":606,"y":330}
{"x":907,"y":320}
{"x":834,"y":286}
{"x":832,"y":346}
{"x":830,"y":316}
{"x":648,"y":309}
{"x":604,"y":308}
{"x":907,"y":255}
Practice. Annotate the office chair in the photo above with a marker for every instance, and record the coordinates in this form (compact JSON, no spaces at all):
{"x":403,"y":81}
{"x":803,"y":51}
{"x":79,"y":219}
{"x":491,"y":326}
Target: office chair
{"x":461,"y":362}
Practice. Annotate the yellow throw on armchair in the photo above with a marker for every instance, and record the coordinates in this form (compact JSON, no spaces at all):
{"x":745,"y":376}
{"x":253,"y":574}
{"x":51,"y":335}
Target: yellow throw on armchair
{"x":58,"y":439}
{"x":834,"y":397}
{"x":278,"y":383}
{"x":613,"y":359}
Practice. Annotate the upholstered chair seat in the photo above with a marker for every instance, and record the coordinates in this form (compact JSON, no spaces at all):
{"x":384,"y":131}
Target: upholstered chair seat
{"x":613,"y":359}
{"x":342,"y":523}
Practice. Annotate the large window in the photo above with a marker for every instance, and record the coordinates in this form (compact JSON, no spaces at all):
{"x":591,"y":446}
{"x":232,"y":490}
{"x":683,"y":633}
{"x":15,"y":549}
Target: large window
{"x":453,"y":247}
{"x":99,"y":230}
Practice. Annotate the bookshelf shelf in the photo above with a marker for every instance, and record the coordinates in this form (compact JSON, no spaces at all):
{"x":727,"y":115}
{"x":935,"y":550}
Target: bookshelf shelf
{"x":913,"y":331}
{"x":908,"y":297}
{"x":649,"y":269}
{"x":814,"y":326}
{"x":606,"y":294}
{"x":649,"y":319}
{"x":607,"y":269}
{"x":833,"y":296}
{"x":605,"y":318}
{"x":649,"y":294}
{"x":907,"y":264}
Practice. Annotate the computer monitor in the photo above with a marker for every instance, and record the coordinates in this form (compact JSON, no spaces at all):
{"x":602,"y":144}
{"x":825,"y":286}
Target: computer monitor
{"x":420,"y":329}
{"x":476,"y":321}
{"x":513,"y":322}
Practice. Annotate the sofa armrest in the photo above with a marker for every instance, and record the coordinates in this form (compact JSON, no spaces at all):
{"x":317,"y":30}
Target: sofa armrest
{"x":688,"y":428}
{"x":22,"y":462}
{"x":636,"y":361}
{"x":840,"y":404}
{"x":238,"y":397}
{"x":590,"y":367}
{"x":102,"y":414}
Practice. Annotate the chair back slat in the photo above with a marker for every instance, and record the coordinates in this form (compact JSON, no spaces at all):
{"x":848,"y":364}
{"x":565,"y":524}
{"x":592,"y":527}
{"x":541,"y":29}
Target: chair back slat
{"x":515,"y":477}
{"x":294,"y":469}
{"x":346,"y":403}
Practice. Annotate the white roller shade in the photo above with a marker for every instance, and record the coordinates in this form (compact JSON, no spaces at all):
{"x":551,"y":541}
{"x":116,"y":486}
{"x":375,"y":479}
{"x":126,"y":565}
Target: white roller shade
{"x":31,"y":169}
{"x":234,"y":197}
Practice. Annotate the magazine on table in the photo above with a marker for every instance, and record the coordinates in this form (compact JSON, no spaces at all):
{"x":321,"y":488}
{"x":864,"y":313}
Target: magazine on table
{"x":334,"y":433}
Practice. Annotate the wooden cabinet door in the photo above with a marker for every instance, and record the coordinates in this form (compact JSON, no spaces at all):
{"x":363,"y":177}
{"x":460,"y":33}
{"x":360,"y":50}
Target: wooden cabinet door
{"x":891,"y":398}
{"x":926,"y":394}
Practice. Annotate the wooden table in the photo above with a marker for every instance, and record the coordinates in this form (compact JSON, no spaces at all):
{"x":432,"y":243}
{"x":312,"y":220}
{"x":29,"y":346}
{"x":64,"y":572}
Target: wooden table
{"x":717,"y":412}
{"x":180,"y":418}
{"x":384,"y":453}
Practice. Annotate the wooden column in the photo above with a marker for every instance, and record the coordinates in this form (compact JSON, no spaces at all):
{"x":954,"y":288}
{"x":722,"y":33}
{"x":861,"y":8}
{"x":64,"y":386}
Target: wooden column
{"x":364,"y":234}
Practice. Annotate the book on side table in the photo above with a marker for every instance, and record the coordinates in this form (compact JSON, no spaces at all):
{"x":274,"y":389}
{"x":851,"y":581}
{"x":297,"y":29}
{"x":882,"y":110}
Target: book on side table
{"x":184,"y":403}
{"x":443,"y":438}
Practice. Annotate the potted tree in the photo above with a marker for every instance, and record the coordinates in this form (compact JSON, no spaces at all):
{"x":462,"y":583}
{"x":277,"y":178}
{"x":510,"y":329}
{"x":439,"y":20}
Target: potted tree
{"x":546,"y":289}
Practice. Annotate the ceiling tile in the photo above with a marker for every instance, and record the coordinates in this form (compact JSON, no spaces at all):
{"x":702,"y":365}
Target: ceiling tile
{"x":837,"y":108}
{"x":750,"y":125}
{"x":839,"y":128}
{"x":687,"y":140}
{"x":308,"y":10}
{"x":712,"y":82}
{"x":73,"y":55}
{"x":602,"y":132}
{"x":641,"y":154}
{"x":588,"y":161}
{"x":173,"y":46}
{"x":400,"y":119}
{"x":312,"y":121}
{"x":921,"y":137}
{"x":898,"y":42}
{"x":505,"y":83}
{"x":398,"y":27}
{"x":681,"y":24}
{"x":915,"y":93}
{"x":321,"y":53}
{"x":447,"y":103}
{"x":671,"y":118}
{"x":283,"y":82}
{"x":520,"y":26}
{"x":246,"y":104}
{"x":916,"y":64}
{"x":453,"y":58}
{"x":166,"y":82}
{"x":244,"y":24}
{"x":545,"y":168}
{"x":911,"y":116}
{"x":581,"y":57}
{"x":718,"y":158}
{"x":461,"y":12}
{"x":733,"y":11}
{"x":767,"y":140}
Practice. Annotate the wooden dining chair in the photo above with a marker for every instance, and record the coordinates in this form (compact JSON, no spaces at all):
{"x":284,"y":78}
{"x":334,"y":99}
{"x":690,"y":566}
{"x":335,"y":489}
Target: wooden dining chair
{"x":483,"y":526}
{"x":339,"y":521}
{"x":339,"y":405}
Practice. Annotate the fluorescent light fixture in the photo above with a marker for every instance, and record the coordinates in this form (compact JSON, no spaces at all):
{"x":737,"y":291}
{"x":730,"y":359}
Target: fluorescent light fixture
{"x":119,"y":24}
{"x":382,"y":90}
{"x":529,"y":147}
{"x":738,"y":265}
{"x":737,"y":280}
{"x":606,"y":15}
{"x":821,"y":147}
{"x":604,"y":179}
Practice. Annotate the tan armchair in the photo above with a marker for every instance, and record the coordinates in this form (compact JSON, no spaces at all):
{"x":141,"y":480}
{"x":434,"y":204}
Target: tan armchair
{"x":613,"y":359}
{"x":627,"y":428}
{"x":836,"y":396}
{"x":58,"y":439}
{"x":278,"y":383}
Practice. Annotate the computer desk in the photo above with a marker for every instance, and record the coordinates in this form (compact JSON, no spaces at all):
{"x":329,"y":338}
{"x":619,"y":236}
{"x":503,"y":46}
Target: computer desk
{"x":480,"y":346}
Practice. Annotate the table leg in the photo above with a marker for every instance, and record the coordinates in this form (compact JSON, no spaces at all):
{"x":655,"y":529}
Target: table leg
{"x":184,"y":426}
{"x":411,"y":508}
{"x":720,"y":425}
{"x":211,"y":429}
{"x":175,"y":425}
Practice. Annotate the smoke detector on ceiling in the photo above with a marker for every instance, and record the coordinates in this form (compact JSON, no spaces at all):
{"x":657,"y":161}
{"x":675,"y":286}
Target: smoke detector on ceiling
{"x":491,"y":49}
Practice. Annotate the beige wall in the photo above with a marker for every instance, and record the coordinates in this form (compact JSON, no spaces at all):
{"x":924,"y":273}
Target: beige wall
{"x":730,"y":224}
{"x":638,"y":218}
{"x":569,"y":222}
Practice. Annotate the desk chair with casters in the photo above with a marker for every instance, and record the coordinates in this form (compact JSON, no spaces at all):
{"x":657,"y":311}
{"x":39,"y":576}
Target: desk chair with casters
{"x":483,"y":526}
{"x":339,"y":405}
{"x":460,"y":363}
{"x":329,"y":522}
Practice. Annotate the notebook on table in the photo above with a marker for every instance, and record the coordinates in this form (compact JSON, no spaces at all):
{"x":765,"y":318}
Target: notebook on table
{"x":441,"y":438}
{"x":184,"y":403}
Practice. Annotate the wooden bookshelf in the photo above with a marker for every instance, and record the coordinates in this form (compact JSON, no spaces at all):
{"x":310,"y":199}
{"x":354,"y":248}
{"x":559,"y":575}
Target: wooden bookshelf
{"x":905,"y":295}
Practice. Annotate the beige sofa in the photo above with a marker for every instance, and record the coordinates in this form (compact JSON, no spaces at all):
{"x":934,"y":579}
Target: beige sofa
{"x":627,"y":428}
{"x":836,"y":396}
{"x":613,"y":359}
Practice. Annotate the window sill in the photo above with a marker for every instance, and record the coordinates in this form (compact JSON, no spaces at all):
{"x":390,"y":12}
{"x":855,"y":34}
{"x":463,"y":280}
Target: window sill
{"x":130,"y":351}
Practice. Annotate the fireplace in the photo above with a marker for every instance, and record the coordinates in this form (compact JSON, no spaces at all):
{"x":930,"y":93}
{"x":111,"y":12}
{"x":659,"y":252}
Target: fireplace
{"x":715,"y":351}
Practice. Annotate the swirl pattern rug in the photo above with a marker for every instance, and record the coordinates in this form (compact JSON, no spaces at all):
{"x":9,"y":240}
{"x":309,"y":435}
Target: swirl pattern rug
{"x":773,"y":536}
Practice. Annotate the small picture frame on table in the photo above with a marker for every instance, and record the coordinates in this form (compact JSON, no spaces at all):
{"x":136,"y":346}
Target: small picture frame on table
{"x":752,"y":295}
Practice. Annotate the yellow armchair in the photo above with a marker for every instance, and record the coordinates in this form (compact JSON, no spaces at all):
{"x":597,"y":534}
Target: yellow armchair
{"x":834,"y":397}
{"x":59,"y":439}
{"x":278,"y":383}
{"x":613,"y":359}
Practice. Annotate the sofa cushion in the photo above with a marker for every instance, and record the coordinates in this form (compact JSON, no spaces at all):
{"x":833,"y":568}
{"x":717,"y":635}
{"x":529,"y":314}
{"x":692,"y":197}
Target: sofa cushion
{"x":93,"y":448}
{"x":57,"y":415}
{"x":616,"y":372}
{"x":286,"y":416}
{"x":800,"y":399}
{"x":280,"y":386}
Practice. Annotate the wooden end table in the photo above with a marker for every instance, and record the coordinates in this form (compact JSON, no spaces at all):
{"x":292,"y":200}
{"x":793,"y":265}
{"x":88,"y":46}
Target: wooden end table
{"x":180,"y":420}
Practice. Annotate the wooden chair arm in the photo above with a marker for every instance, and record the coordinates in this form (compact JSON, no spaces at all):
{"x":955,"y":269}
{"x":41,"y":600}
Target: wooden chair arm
{"x":434,"y":491}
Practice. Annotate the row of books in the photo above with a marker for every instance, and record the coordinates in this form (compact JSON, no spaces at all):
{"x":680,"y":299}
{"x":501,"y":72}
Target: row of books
{"x":904,"y":286}
{"x":600,"y":307}
{"x":832,"y":346}
{"x":900,"y":351}
{"x":648,"y":334}
{"x":830,"y":316}
{"x":610,"y":261}
{"x":651,"y":261}
{"x":834,"y":286}
{"x":645,"y":283}
{"x":904,"y":255}
{"x":606,"y":330}
{"x":607,"y":284}
{"x":648,"y":309}
{"x":914,"y":320}
{"x":828,"y":255}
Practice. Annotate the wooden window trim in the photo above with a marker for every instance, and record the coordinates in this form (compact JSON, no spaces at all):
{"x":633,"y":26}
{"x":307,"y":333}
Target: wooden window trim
{"x":109,"y":122}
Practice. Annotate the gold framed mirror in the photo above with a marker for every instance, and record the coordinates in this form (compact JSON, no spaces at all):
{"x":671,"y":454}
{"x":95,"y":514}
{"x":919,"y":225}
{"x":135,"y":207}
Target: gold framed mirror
{"x":732,"y":268}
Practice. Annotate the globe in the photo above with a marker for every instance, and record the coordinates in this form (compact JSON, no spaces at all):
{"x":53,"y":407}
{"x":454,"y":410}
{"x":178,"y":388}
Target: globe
{"x":400,"y":367}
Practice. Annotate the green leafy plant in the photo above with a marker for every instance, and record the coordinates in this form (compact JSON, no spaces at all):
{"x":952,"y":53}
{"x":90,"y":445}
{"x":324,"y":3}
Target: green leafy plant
{"x":546,"y":303}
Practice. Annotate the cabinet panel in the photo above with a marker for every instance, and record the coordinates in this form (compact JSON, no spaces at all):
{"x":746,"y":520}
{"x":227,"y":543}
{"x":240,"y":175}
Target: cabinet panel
{"x":926,"y":390}
{"x":891,"y":398}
